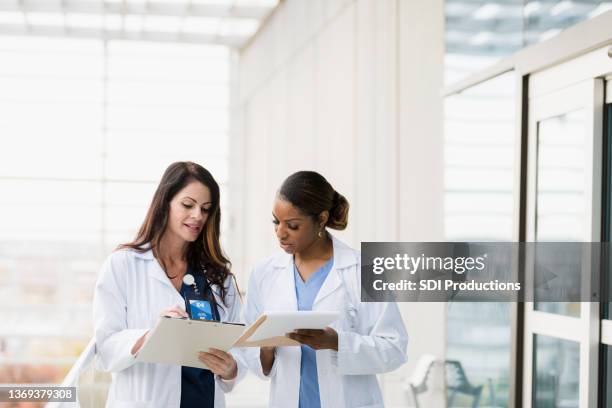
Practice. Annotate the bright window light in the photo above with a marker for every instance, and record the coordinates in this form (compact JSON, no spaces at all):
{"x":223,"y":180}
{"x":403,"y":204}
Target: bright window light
{"x":82,"y":20}
{"x":238,"y":27}
{"x":602,"y":8}
{"x":133,"y":22}
{"x":11,"y":17}
{"x":481,"y":38}
{"x":74,"y":181}
{"x":562,"y":7}
{"x":113,"y":22}
{"x":258,"y":3}
{"x":45,"y":19}
{"x":531,"y":8}
{"x":487,"y":11}
{"x":200,"y":25}
{"x":162,"y":23}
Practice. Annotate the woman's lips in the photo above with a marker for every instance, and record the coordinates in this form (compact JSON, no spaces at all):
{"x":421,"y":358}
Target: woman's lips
{"x":285,"y":246}
{"x":194,"y":229}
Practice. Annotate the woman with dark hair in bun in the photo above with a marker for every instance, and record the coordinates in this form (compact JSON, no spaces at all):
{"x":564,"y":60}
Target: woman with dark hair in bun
{"x":336,"y":366}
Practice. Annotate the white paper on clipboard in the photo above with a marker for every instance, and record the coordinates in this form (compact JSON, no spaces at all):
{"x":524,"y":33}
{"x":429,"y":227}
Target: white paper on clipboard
{"x":279,"y":323}
{"x":178,"y":341}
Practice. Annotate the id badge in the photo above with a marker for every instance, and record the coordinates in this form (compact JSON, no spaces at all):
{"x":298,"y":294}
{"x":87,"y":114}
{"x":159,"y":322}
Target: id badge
{"x":200,"y":309}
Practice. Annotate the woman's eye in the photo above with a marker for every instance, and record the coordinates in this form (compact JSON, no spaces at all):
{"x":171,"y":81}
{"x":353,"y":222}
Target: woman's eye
{"x":206,"y":210}
{"x":275,"y":222}
{"x":187,"y":205}
{"x":292,"y":227}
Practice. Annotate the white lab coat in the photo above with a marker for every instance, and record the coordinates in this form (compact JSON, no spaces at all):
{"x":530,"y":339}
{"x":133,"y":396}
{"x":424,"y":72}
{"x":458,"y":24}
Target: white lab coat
{"x":130,"y":293}
{"x":372,"y":338}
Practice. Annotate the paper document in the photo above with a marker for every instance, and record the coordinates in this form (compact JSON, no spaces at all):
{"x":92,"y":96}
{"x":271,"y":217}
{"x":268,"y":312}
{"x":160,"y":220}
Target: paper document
{"x":277,"y":324}
{"x":178,"y":341}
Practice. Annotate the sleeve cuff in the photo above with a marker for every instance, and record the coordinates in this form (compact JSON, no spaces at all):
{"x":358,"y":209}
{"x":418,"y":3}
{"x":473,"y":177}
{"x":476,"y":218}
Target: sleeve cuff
{"x":115,"y":354}
{"x":338,"y":358}
{"x":256,"y":364}
{"x":228,"y":385}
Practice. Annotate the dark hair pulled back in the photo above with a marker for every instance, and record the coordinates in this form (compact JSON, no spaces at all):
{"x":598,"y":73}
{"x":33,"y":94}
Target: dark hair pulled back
{"x":312,"y":194}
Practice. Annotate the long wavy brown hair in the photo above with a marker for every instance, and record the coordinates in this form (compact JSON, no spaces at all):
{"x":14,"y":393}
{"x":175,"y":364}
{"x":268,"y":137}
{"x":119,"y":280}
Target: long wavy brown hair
{"x":204,"y":255}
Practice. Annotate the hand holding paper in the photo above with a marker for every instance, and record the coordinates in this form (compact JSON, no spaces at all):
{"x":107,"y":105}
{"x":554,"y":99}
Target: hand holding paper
{"x":179,"y":341}
{"x":326,"y":338}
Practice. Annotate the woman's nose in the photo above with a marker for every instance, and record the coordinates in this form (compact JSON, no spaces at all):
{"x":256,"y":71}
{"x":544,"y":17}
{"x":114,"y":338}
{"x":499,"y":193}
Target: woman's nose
{"x":197,"y":214}
{"x":281,"y":232}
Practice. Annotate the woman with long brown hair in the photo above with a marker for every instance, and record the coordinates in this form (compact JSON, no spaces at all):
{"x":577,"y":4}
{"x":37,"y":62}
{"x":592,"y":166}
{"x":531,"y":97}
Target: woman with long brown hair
{"x":177,"y":245}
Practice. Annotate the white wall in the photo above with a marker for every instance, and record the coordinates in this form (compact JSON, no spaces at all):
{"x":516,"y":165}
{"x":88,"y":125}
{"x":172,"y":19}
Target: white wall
{"x":352,"y":89}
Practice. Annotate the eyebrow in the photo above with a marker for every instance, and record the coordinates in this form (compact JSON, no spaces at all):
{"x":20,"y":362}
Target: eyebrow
{"x":195,"y":201}
{"x":288,"y":219}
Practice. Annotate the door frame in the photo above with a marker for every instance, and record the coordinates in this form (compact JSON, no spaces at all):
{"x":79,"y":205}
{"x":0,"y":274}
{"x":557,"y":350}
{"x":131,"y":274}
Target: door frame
{"x":592,"y":41}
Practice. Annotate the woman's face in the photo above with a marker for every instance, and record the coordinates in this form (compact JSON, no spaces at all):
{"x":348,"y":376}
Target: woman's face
{"x":189,"y":211}
{"x":295,"y":230}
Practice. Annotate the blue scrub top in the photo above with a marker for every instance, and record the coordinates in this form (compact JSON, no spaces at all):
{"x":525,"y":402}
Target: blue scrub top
{"x":306,"y":293}
{"x":197,"y":384}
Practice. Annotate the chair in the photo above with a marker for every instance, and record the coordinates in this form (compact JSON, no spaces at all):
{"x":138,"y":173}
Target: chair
{"x":417,"y":383}
{"x":458,"y":383}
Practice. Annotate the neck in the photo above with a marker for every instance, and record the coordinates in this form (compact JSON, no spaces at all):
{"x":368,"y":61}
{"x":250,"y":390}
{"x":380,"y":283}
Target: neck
{"x":321,"y":248}
{"x":171,"y":249}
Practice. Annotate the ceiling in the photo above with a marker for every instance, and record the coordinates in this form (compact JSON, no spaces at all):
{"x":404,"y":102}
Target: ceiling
{"x":224,"y":22}
{"x":502,"y":27}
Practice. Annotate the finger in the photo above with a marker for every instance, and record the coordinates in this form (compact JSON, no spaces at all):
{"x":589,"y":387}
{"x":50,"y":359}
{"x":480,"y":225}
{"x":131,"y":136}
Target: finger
{"x":218,"y":368}
{"x":221,"y":354}
{"x":307,"y":340}
{"x":211,"y":363}
{"x":213,"y":357}
{"x":310,"y":332}
{"x":174,"y":312}
{"x":215,"y":369}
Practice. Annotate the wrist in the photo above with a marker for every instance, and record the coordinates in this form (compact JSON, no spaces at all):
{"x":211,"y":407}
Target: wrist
{"x":232,"y":374}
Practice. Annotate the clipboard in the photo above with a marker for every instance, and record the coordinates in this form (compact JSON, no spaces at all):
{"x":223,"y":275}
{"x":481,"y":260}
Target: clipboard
{"x":178,"y":341}
{"x":270,"y":328}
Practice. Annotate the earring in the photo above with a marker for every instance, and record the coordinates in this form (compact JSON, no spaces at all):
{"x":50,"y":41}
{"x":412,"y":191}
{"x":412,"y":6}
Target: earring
{"x":320,"y":234}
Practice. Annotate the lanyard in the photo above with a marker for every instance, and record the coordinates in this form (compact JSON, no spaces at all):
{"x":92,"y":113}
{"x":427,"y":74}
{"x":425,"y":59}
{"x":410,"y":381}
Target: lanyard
{"x":205,"y":293}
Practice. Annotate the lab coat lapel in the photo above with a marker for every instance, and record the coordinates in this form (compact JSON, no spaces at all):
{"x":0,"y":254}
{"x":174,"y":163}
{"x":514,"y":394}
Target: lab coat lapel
{"x":155,"y":271}
{"x":343,"y":258}
{"x":330,"y":285}
{"x":284,"y":291}
{"x":221,"y":305}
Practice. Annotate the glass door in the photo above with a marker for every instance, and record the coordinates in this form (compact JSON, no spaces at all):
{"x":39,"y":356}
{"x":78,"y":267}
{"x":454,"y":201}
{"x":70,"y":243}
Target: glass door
{"x":564,"y":181}
{"x":606,"y":324}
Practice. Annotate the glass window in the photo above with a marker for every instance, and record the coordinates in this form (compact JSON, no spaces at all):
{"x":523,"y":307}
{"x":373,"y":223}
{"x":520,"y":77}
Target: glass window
{"x":481,"y":32}
{"x":556,"y":372}
{"x":478,"y":206}
{"x":561,"y":178}
{"x":546,"y":18}
{"x":479,"y":135}
{"x":81,"y":152}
